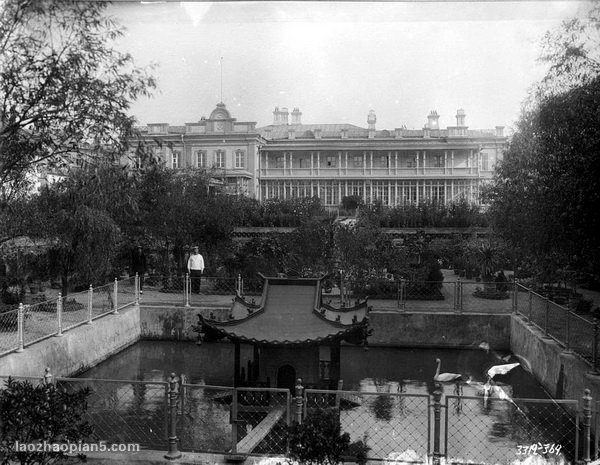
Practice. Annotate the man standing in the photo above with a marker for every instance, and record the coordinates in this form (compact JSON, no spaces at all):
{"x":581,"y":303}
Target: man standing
{"x":138,"y":265}
{"x":195,"y":268}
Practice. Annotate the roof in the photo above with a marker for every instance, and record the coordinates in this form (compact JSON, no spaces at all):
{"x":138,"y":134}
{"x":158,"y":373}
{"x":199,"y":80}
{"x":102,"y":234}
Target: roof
{"x":292,"y":312}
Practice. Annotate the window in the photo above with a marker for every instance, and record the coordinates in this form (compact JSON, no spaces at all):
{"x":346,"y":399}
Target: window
{"x":384,"y":161}
{"x":331,"y":162}
{"x":219,"y":159}
{"x":240,"y":159}
{"x":358,"y":161}
{"x":175,"y":160}
{"x":412,"y":162}
{"x":199,"y":159}
{"x":438,"y":161}
{"x":279,"y":161}
{"x":484,"y":162}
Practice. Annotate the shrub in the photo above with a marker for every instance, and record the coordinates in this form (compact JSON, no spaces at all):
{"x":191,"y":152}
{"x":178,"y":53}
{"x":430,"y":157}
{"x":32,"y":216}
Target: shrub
{"x":319,"y":440}
{"x":33,"y":414}
{"x":382,"y":407}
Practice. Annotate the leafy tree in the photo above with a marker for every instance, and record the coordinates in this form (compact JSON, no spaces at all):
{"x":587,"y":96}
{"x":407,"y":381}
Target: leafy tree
{"x":64,"y":90}
{"x":78,"y":218}
{"x":319,"y":440}
{"x":545,"y":195}
{"x":32,"y":414}
{"x":572,"y":52}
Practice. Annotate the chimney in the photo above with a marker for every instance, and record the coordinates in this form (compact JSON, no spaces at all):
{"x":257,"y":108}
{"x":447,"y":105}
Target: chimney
{"x":344,"y":133}
{"x":433,"y":120}
{"x":276,"y":118}
{"x":284,"y":115}
{"x":398,"y":133}
{"x":291,"y":133}
{"x":296,"y":115}
{"x":426,"y":131}
{"x":371,"y":120}
{"x":317,"y":133}
{"x":499,"y":131}
{"x":267,"y":133}
{"x":460,"y":117}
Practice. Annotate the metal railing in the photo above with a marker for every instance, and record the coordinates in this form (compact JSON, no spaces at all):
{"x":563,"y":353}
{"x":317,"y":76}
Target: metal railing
{"x":32,"y":323}
{"x":572,"y":331}
{"x":395,"y":425}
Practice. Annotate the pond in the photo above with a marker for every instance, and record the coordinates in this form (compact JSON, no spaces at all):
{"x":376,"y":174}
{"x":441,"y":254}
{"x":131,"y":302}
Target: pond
{"x":492,"y":429}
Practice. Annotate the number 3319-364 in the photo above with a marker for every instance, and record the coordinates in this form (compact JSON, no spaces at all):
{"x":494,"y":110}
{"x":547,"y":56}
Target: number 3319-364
{"x":539,"y":449}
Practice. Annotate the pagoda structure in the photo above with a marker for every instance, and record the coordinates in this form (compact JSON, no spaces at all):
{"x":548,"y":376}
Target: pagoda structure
{"x":293,"y":334}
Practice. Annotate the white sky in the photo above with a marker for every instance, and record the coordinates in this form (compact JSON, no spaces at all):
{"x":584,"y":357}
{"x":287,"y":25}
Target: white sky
{"x":336,"y":61}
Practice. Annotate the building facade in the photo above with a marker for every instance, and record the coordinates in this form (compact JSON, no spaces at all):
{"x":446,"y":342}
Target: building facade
{"x":289,"y":159}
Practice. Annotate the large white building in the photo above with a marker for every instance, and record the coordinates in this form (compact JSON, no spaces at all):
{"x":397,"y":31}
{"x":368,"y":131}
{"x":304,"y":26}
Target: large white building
{"x":290,"y":159}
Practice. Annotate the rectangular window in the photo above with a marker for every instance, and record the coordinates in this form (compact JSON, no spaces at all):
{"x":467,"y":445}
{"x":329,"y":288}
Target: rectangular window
{"x":331,"y":162}
{"x":438,"y":161}
{"x":484,"y":162}
{"x":384,"y":161}
{"x":358,"y":161}
{"x":279,"y":162}
{"x":240,"y":159}
{"x":199,"y":159}
{"x":175,"y":160}
{"x":219,"y":159}
{"x":411,"y":162}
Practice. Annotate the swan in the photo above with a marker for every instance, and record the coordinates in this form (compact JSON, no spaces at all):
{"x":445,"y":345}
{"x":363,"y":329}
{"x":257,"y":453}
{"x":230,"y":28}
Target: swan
{"x":501,"y":369}
{"x":444,"y":377}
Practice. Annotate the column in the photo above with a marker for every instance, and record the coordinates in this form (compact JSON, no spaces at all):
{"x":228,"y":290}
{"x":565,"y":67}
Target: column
{"x":291,"y":162}
{"x":339,"y":163}
{"x":452,"y":162}
{"x":417,"y":158}
{"x":346,"y":170}
{"x":478,"y":161}
{"x":424,"y":161}
{"x":396,"y":188}
{"x":417,"y":192}
{"x":266,"y":161}
{"x":311,"y":165}
{"x":364,"y":162}
{"x":470,"y":162}
{"x":364,"y":191}
{"x":284,"y":161}
{"x":396,"y":163}
{"x":318,"y":163}
{"x":445,"y":160}
{"x":371,"y":162}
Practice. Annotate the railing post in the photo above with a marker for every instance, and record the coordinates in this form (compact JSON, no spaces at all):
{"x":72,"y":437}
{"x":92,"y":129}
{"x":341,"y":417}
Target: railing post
{"x":402,"y":295}
{"x":595,"y":347}
{"x":546,"y":316}
{"x":568,"y":327}
{"x":238,"y":284}
{"x":458,"y":290}
{"x":173,"y":452}
{"x":47,"y":378}
{"x":515,"y":296}
{"x":437,"y":418}
{"x":90,"y":304}
{"x":136,"y":285}
{"x":186,"y":289}
{"x":59,"y":310}
{"x":299,"y":400}
{"x":530,"y":309}
{"x":234,"y":421}
{"x":115,"y":301}
{"x":587,"y":424}
{"x":20,"y":321}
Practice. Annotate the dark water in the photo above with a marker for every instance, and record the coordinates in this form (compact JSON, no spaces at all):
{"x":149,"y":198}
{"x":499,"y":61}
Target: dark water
{"x":212,"y":364}
{"x":486,"y":430}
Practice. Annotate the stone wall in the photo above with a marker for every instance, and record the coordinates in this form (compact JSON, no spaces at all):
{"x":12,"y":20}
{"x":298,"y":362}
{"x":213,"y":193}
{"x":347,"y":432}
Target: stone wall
{"x":174,"y":323}
{"x":439,"y":330}
{"x":77,"y":349}
{"x":563,"y":374}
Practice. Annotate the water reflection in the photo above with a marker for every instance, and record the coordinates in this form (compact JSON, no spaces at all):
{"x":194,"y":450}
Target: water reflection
{"x":481,"y":427}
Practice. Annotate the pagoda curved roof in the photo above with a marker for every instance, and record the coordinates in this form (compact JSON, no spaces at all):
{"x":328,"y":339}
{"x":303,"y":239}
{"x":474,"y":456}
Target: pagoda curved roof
{"x":291,"y":312}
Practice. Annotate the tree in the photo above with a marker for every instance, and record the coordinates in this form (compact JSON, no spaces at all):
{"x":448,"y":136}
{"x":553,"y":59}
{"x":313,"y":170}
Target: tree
{"x":36,"y":413}
{"x":572,"y":52}
{"x":64,"y":91}
{"x":319,"y":440}
{"x":545,"y":194}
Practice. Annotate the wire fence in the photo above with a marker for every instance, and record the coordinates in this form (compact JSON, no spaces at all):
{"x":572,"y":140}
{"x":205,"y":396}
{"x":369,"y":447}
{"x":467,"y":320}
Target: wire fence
{"x":395,"y":425}
{"x":575,"y":332}
{"x":32,"y":323}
